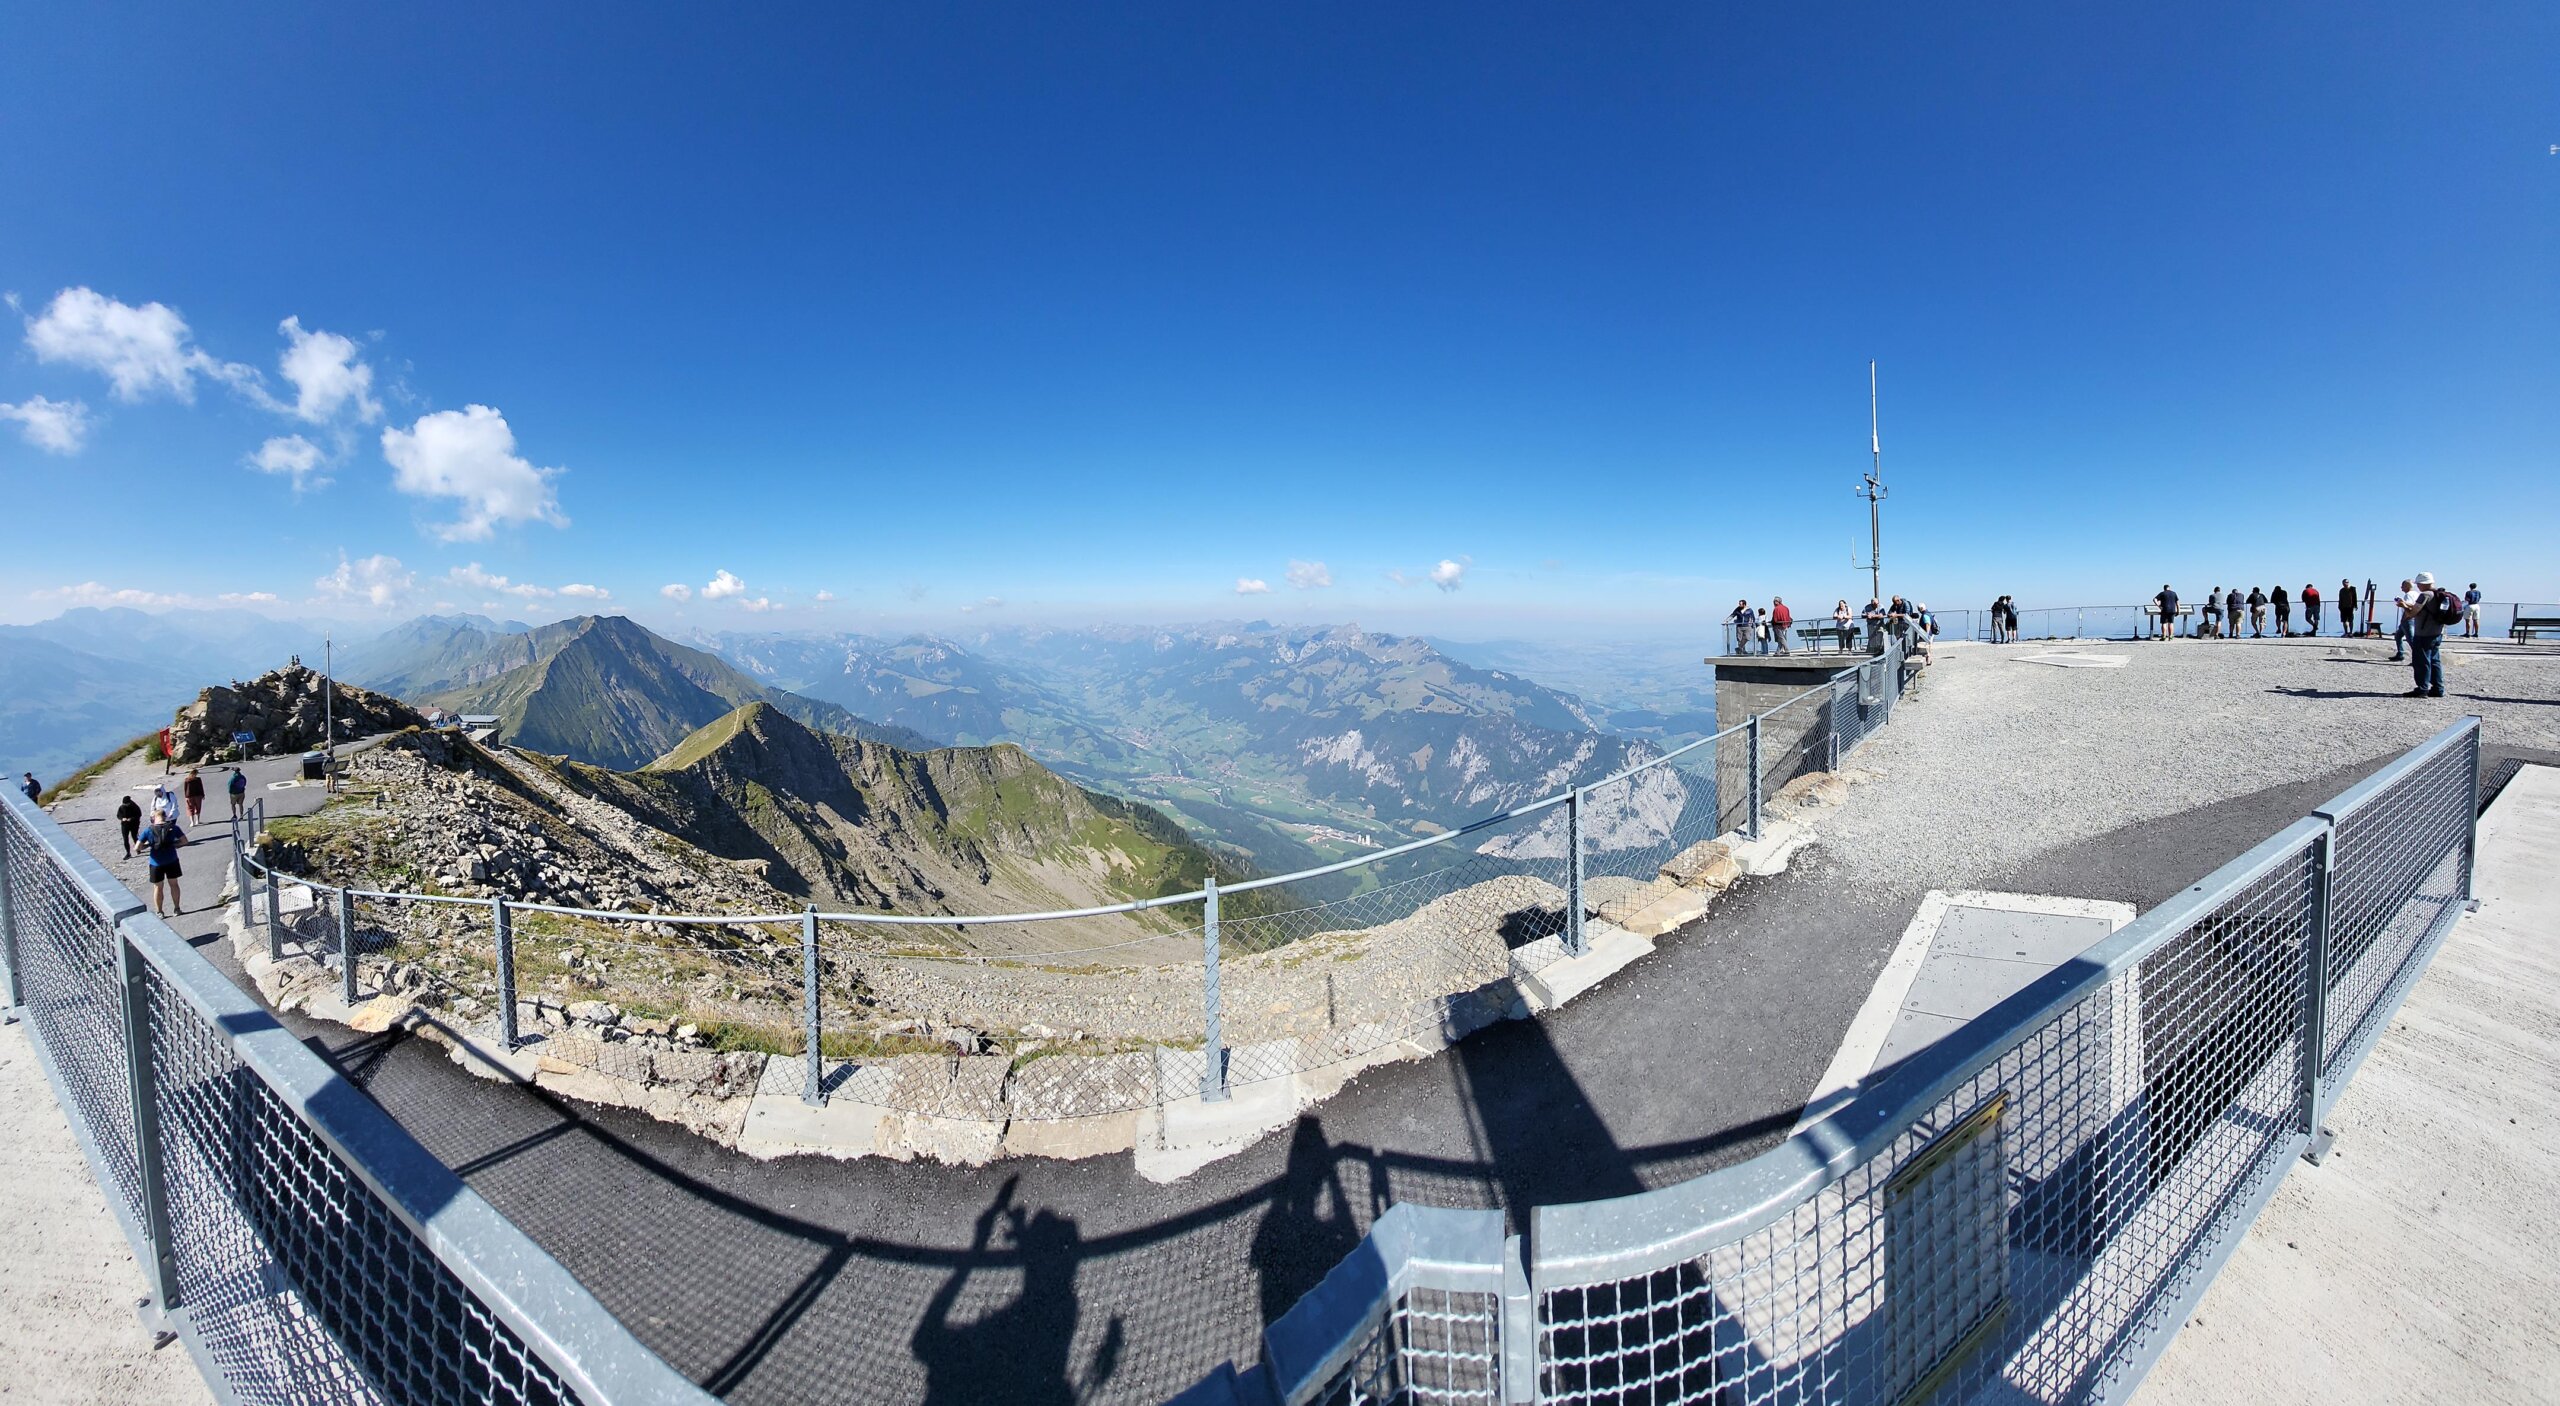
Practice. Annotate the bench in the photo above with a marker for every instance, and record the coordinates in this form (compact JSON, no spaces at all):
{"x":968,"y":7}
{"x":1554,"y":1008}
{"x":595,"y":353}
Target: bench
{"x":2525,"y":627}
{"x":1813,"y":632}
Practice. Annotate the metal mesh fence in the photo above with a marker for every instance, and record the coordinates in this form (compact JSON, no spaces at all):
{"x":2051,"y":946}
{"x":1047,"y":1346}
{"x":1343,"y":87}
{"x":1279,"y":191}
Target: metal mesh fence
{"x":65,"y":950}
{"x":2402,"y":860}
{"x":1434,"y":1345}
{"x":301,"y":1283}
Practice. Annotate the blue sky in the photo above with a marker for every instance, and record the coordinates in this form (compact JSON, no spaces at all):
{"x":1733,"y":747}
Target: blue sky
{"x":1070,"y":312}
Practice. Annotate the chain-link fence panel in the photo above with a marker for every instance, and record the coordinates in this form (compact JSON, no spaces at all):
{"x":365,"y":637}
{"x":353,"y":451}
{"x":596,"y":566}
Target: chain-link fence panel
{"x":65,"y":955}
{"x":2017,"y":1235}
{"x":2402,"y":865}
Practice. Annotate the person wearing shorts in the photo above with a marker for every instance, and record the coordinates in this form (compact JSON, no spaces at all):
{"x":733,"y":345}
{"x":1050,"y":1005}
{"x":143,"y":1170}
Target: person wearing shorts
{"x":2167,"y":600}
{"x":238,"y":786}
{"x":2257,"y":613}
{"x":161,"y":842}
{"x":2471,"y":612}
{"x":2284,"y":613}
{"x":2346,"y":607}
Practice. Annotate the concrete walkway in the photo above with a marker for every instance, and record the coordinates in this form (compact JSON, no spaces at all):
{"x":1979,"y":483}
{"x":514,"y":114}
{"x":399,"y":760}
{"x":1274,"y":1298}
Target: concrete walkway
{"x":68,"y":1330}
{"x":2420,"y":1262}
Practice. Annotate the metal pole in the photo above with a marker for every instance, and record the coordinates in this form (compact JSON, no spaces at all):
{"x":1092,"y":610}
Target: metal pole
{"x":1752,"y":729}
{"x":1213,"y":1075}
{"x":8,"y":915}
{"x":2315,"y":993}
{"x":2471,"y":804}
{"x":328,"y":715}
{"x":506,"y":972}
{"x":1573,"y":939}
{"x":812,"y":1089}
{"x":141,"y":1082}
{"x":347,"y":948}
{"x":275,"y":911}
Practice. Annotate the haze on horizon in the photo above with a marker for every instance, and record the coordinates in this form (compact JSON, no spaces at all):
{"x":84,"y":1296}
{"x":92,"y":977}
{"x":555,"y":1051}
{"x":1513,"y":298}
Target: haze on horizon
{"x":1462,"y":322}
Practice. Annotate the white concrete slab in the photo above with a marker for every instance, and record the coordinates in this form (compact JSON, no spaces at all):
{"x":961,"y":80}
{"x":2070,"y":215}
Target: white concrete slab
{"x":2420,"y":1261}
{"x":2069,"y":659}
{"x":1609,"y":949}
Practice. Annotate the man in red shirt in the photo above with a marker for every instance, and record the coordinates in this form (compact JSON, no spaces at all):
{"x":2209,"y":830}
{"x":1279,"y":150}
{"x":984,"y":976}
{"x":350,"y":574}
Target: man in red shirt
{"x":1781,"y":620}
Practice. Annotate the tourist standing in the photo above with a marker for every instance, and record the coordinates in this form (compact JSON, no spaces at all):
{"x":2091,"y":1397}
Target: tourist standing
{"x":161,"y":844}
{"x":193,"y":790}
{"x":2471,"y":612}
{"x":1741,"y":620}
{"x":2212,"y":610}
{"x":1781,"y":620}
{"x":2346,"y":607}
{"x":2311,"y":610}
{"x":2284,"y":613}
{"x":238,"y":786}
{"x":34,"y":792}
{"x":128,"y":822}
{"x":2406,"y":603}
{"x":2434,"y":609}
{"x":2257,"y":613}
{"x":2167,"y":600}
{"x":1841,"y":620}
{"x":2231,"y":611}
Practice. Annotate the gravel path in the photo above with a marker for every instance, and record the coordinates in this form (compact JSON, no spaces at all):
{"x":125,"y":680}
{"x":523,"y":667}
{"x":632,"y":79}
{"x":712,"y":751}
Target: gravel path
{"x":2230,"y":717}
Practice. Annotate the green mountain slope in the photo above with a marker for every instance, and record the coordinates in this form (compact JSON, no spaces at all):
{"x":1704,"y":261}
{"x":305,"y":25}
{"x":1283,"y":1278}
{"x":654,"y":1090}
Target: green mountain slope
{"x":603,"y":690}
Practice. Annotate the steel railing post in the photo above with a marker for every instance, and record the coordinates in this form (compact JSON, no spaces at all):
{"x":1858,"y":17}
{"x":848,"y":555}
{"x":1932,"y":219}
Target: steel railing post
{"x":1752,"y":730}
{"x":1573,"y":939}
{"x":506,"y":938}
{"x":275,"y":917}
{"x":2315,"y":991}
{"x":347,"y":948}
{"x":2471,"y":807}
{"x":1213,"y":1074}
{"x":812,"y":1088}
{"x":8,"y":914}
{"x":142,"y":1086}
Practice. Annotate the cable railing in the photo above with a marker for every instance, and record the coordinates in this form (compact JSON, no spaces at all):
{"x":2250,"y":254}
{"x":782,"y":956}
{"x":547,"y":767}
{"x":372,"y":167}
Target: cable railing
{"x":1174,"y":996}
{"x":2027,"y":1210}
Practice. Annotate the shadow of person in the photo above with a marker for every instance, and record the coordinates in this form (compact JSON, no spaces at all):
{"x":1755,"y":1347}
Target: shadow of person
{"x":1310,"y":1226}
{"x":1019,"y":1350}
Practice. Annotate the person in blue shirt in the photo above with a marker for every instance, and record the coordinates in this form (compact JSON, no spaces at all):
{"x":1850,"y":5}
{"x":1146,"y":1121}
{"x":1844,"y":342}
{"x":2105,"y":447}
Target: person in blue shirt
{"x":238,"y":786}
{"x":161,"y":841}
{"x":2471,"y":612}
{"x":34,"y":791}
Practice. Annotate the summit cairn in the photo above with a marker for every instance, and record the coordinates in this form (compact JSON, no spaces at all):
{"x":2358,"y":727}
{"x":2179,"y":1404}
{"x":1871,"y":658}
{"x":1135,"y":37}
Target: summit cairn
{"x":284,"y":710}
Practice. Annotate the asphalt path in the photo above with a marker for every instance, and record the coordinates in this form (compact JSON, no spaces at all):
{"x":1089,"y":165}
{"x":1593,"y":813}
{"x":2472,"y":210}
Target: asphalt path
{"x":810,"y":1279}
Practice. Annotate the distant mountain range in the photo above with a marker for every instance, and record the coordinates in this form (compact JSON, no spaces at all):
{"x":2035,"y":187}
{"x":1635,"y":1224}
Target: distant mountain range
{"x":75,"y":685}
{"x":1288,"y":744}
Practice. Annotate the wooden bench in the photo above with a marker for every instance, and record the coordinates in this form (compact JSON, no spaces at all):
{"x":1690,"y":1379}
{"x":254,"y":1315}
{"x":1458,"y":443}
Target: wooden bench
{"x":2525,"y":627}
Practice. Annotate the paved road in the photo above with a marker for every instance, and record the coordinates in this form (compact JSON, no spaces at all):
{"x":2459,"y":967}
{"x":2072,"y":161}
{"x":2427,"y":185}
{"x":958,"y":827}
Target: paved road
{"x":815,"y":1280}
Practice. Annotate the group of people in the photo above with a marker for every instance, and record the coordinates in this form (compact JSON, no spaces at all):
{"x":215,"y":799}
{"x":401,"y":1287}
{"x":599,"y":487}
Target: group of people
{"x":2004,"y":620}
{"x":159,"y":841}
{"x":2425,"y":610}
{"x":1906,"y":620}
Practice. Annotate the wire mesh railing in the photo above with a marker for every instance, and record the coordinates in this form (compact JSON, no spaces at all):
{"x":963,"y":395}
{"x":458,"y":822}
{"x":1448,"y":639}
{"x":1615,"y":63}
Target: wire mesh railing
{"x":301,"y":1243}
{"x":1042,"y":1017}
{"x":2027,"y":1210}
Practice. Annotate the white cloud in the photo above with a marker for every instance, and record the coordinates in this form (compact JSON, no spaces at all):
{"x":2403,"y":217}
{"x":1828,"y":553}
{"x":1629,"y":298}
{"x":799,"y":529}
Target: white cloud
{"x":470,"y":455}
{"x":326,"y":375}
{"x":471,"y":575}
{"x":91,"y":593}
{"x":722,"y":586}
{"x":824,"y":597}
{"x":140,"y":350}
{"x":580,"y":590}
{"x":378,"y":581}
{"x":1252,"y":586}
{"x":1309,"y":575}
{"x":248,"y":598}
{"x":290,"y":454}
{"x":677,"y":591}
{"x":983,"y":603}
{"x":54,"y":426}
{"x":759,"y":605}
{"x":1448,"y":574}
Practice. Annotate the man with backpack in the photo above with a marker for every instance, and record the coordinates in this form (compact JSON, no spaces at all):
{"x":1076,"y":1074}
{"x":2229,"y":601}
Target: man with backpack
{"x":2436,"y":609}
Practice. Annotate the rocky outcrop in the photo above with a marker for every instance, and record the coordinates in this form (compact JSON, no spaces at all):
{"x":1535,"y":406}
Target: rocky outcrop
{"x":286,"y":711}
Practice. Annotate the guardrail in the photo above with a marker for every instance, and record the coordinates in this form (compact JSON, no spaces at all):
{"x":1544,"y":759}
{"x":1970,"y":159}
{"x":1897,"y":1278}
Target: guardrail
{"x":2027,"y":1210}
{"x":1512,"y":893}
{"x":302,"y":1244}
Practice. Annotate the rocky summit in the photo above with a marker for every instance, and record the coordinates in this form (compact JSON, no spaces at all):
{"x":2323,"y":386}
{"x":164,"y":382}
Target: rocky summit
{"x":286,"y":711}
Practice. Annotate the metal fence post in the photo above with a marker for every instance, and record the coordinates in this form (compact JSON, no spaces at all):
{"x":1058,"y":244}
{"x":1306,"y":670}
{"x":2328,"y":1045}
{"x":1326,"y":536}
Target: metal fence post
{"x":141,"y":1084}
{"x":1753,"y":730}
{"x":812,"y":1088}
{"x":8,"y":918}
{"x":275,"y":918}
{"x":2471,"y":801}
{"x":1573,"y":939}
{"x":2315,"y":990}
{"x":1213,"y":1074}
{"x":347,"y":948}
{"x":506,"y":936}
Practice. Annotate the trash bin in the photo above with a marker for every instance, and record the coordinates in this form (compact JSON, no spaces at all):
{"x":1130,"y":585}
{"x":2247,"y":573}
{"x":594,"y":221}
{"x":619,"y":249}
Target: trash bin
{"x":315,"y":766}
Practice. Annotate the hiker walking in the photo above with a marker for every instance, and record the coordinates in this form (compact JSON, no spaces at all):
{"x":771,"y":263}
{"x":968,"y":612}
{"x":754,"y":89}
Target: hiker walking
{"x":128,"y":822}
{"x":1781,"y":620}
{"x":193,"y":790}
{"x":238,"y":786}
{"x":161,"y":843}
{"x":2346,"y":607}
{"x":2407,"y":604}
{"x":2434,"y":610}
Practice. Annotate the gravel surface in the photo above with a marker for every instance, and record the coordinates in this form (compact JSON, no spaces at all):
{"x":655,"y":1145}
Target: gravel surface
{"x":2229,"y":717}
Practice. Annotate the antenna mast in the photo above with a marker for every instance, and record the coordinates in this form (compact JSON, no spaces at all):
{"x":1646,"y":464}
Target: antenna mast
{"x":1873,"y":491}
